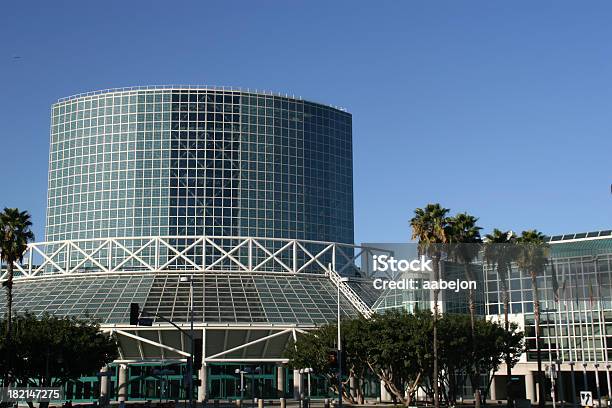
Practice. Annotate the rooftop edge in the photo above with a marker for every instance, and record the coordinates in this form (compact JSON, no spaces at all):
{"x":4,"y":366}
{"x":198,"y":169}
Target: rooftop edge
{"x":194,"y":87}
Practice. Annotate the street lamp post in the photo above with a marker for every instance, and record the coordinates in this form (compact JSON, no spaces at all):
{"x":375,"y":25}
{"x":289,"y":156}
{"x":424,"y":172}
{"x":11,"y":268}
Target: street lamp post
{"x":248,"y":370}
{"x":584,"y":375}
{"x":189,"y":279}
{"x":340,"y":281}
{"x":241,"y":372}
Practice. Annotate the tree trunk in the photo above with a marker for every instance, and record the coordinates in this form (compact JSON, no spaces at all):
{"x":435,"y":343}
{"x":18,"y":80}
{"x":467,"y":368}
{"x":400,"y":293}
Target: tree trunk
{"x":452,"y":389}
{"x":536,"y":312}
{"x":510,"y":397}
{"x":9,"y":300}
{"x":398,"y":394}
{"x":6,"y":378}
{"x":412,"y":389}
{"x":472,"y":306}
{"x":436,"y":293}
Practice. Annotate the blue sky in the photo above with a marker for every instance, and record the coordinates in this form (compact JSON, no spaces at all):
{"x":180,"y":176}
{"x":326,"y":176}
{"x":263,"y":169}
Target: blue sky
{"x":502,"y":109}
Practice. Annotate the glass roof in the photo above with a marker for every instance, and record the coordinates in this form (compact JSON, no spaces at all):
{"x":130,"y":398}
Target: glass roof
{"x":224,"y":298}
{"x":365,"y":290}
{"x":580,"y":235}
{"x":589,"y":247}
{"x":105,"y":298}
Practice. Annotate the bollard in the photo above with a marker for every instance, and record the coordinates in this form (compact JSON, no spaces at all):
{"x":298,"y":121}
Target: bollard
{"x":283,"y":403}
{"x":326,"y":403}
{"x":238,"y":403}
{"x":260,"y":403}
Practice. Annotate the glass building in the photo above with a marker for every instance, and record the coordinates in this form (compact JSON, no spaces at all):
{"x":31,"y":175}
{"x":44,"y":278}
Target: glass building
{"x":249,"y":194}
{"x":575,"y":317}
{"x":575,"y":293}
{"x":168,"y":161}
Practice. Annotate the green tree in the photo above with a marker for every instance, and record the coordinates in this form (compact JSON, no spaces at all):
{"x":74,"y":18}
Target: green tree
{"x":493,"y":344}
{"x":532,"y":259}
{"x":50,"y":351}
{"x":15,"y":234}
{"x":465,"y":243}
{"x":392,"y":346}
{"x":457,"y":353}
{"x":430,"y":227}
{"x":396,"y":348}
{"x":358,"y":334}
{"x":487,"y":348}
{"x":399,"y":351}
{"x":500,"y":251}
{"x":317,"y":350}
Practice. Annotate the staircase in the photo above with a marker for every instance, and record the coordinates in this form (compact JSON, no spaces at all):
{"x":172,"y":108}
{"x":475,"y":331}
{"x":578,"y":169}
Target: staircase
{"x":349,"y":293}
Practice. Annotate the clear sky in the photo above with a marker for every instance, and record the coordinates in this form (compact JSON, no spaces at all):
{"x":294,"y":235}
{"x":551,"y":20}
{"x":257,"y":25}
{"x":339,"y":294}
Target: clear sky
{"x":499,"y":108}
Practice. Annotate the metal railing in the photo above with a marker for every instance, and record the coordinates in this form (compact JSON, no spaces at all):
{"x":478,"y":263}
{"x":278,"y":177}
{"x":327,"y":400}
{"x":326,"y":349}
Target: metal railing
{"x":349,"y":293}
{"x":179,"y":87}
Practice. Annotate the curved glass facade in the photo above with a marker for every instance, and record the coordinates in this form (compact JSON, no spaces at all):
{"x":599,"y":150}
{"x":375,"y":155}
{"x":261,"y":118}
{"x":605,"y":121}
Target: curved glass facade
{"x":183,"y":161}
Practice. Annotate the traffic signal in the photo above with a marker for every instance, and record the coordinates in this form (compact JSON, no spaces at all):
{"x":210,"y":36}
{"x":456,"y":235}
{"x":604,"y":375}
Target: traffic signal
{"x":332,"y":359}
{"x":134,"y":313}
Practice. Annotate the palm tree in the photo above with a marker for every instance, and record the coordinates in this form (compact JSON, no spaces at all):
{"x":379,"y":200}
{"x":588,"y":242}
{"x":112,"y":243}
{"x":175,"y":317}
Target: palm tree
{"x":465,"y":245}
{"x":430,"y":228}
{"x":15,"y":234}
{"x":532,"y":259}
{"x":500,"y":251}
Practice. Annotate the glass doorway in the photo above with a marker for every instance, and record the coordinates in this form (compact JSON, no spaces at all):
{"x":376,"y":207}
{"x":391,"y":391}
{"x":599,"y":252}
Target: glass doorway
{"x":224,"y":382}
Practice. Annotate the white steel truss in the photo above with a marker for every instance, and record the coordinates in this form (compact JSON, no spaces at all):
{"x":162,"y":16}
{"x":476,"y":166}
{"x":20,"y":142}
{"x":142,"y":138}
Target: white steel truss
{"x":191,"y":253}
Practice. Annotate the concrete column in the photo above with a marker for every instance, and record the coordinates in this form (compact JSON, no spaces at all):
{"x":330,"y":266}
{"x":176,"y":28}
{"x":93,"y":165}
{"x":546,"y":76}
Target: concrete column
{"x":608,"y":379}
{"x":122,"y":383}
{"x":280,"y":381}
{"x":493,"y":390}
{"x":103,"y":383}
{"x":384,"y":394}
{"x":297,"y":384}
{"x":203,"y":388}
{"x":203,"y":372}
{"x":530,"y":387}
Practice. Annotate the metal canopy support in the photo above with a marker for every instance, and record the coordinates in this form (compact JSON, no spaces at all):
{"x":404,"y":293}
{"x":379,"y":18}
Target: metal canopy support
{"x":140,"y":356}
{"x":247,"y":344}
{"x":151,"y":342}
